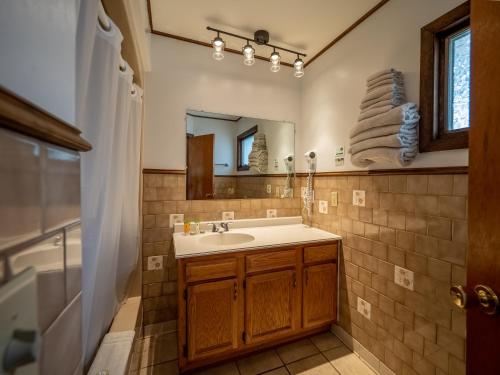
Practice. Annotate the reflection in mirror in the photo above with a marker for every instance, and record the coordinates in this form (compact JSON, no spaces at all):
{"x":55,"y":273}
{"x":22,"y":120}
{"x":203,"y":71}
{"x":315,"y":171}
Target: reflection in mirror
{"x":73,"y":261}
{"x":238,"y":157}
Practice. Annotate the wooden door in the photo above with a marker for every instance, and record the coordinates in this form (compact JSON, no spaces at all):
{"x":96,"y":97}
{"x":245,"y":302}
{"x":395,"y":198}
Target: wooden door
{"x":212,"y":318}
{"x":271,"y":305}
{"x":319,"y":295}
{"x":200,"y":167}
{"x":483,"y":258}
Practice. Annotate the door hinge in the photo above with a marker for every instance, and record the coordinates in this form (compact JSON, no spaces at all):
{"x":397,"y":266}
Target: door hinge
{"x":185,"y":294}
{"x":244,"y":336}
{"x":185,"y":351}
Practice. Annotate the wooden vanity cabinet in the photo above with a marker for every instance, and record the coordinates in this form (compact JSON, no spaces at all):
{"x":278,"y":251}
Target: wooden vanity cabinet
{"x":235,"y":303}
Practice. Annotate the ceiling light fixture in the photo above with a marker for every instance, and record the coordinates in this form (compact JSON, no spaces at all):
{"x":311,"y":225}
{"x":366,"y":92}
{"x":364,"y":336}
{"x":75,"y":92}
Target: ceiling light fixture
{"x":248,"y":54}
{"x":298,"y":67}
{"x":261,"y":37}
{"x":275,"y":61}
{"x":218,"y":45}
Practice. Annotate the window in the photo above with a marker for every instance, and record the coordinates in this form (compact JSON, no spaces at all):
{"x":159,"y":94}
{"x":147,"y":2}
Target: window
{"x":244,"y":147}
{"x":445,"y":81}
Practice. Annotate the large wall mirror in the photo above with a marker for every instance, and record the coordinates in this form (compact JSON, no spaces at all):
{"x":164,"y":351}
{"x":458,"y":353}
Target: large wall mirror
{"x":238,"y":157}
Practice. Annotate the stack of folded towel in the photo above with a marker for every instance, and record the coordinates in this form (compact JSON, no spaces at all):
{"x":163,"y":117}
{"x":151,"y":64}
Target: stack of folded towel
{"x":387,"y":129}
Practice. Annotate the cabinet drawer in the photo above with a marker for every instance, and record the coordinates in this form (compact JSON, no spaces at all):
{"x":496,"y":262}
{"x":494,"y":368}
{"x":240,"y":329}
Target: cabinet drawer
{"x":321,"y":253}
{"x":270,"y":261}
{"x":211,"y":270}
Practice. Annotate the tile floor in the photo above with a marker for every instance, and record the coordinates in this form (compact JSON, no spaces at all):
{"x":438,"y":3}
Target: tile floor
{"x":323,"y":354}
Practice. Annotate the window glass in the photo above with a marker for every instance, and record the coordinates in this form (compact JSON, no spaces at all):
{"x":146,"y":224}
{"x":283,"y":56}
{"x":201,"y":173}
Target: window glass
{"x":246,"y":148}
{"x":459,"y":80}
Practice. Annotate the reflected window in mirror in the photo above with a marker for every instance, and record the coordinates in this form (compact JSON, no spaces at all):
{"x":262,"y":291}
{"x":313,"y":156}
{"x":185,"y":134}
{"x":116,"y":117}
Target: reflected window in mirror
{"x":244,"y":147}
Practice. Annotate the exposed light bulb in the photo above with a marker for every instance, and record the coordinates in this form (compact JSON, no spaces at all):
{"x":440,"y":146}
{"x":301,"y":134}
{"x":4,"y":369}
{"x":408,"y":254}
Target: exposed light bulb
{"x":275,"y":62}
{"x":298,"y":67}
{"x":248,"y":55}
{"x":218,"y":45}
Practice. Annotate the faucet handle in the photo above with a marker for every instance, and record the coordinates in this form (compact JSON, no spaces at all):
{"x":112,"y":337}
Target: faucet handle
{"x":214,"y":227}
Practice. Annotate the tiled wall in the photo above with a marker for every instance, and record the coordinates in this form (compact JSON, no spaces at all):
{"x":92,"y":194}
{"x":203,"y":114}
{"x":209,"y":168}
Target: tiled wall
{"x":418,"y":222}
{"x":164,"y":194}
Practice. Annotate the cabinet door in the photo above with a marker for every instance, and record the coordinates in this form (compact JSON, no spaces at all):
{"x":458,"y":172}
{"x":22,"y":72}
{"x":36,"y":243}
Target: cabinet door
{"x":212,"y":318}
{"x":320,"y":294}
{"x":271,"y":305}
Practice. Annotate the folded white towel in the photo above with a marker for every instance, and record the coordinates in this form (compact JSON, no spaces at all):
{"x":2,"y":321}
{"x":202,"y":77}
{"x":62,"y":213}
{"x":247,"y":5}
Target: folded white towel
{"x":391,"y":88}
{"x":374,"y":112}
{"x":401,"y":156}
{"x":404,"y":114}
{"x":389,"y":81}
{"x":397,"y":76}
{"x":407,"y":130}
{"x":394,"y":99}
{"x":393,"y":141}
{"x":384,"y":72}
{"x":379,"y":104}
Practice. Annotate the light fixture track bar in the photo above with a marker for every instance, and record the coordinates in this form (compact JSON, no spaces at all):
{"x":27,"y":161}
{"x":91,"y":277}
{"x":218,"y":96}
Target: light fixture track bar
{"x":253,"y":40}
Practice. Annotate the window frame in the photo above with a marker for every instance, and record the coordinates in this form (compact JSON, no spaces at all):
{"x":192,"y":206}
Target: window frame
{"x":434,"y":133}
{"x":239,"y":139}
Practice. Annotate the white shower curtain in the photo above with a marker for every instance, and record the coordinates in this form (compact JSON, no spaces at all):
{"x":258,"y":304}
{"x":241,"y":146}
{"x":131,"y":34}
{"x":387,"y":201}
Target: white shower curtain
{"x":105,"y":115}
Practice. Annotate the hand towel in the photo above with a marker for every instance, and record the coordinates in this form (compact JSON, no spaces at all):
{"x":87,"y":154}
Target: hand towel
{"x":391,"y":88}
{"x":381,"y":73}
{"x":401,"y":156}
{"x":404,"y":114}
{"x":385,"y":130}
{"x":374,"y":112}
{"x":392,"y":141}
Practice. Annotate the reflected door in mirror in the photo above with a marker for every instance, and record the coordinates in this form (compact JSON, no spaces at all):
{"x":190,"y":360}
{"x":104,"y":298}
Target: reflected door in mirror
{"x":200,"y":165}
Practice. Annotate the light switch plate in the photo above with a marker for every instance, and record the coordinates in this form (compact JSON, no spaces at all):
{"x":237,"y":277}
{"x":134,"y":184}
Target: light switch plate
{"x":334,"y":199}
{"x":227,"y":215}
{"x":277,"y":192}
{"x":272,"y":213}
{"x":176,"y":219}
{"x":323,"y":207}
{"x":155,"y":263}
{"x":358,"y":198}
{"x":404,"y":277}
{"x":364,"y":308}
{"x":269,"y":189}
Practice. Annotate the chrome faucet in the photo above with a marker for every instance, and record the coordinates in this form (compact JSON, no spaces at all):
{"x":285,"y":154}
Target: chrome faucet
{"x":224,"y":226}
{"x":214,"y":227}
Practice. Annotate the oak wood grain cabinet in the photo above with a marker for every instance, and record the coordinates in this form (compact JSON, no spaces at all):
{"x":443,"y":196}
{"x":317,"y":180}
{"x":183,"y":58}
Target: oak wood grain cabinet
{"x":235,"y":303}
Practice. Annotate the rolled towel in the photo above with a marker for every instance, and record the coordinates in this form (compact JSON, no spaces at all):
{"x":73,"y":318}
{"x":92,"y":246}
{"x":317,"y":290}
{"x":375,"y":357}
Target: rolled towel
{"x":384,"y":130}
{"x":401,"y":156}
{"x":392,"y":89}
{"x":392,"y":141}
{"x":395,"y":100}
{"x":376,"y":75}
{"x":397,"y":76}
{"x":404,"y":114}
{"x":374,"y":112}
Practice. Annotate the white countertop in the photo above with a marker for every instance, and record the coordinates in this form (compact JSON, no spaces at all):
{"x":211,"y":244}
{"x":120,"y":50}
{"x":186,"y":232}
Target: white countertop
{"x":268,"y":233}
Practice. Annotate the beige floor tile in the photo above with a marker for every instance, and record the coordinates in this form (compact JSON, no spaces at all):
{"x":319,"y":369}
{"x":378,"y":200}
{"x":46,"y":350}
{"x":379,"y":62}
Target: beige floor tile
{"x":161,"y":348}
{"x":167,"y":368}
{"x":159,"y":328}
{"x":259,"y":363}
{"x":297,"y":350}
{"x":278,"y":371}
{"x":315,"y":365}
{"x":326,"y":341}
{"x":224,"y":369}
{"x":346,"y":362}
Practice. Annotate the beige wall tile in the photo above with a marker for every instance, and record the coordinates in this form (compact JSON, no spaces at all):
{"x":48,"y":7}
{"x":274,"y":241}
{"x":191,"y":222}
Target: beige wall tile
{"x":417,"y":184}
{"x":440,"y":184}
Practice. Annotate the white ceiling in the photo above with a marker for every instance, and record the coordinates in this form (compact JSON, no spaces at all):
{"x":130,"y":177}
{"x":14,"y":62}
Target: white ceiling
{"x":306,"y":26}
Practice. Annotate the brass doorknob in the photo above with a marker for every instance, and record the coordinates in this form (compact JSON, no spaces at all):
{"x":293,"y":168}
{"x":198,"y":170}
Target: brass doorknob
{"x":459,"y":296}
{"x":488,"y":300}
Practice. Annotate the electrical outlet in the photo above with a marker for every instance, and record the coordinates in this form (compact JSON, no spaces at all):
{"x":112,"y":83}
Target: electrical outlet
{"x":155,"y":263}
{"x":269,"y":189}
{"x":334,"y":199}
{"x":227,"y":215}
{"x":272,"y":213}
{"x":404,"y":277}
{"x":364,"y":308}
{"x":323,"y":207}
{"x":176,"y":219}
{"x":358,"y":198}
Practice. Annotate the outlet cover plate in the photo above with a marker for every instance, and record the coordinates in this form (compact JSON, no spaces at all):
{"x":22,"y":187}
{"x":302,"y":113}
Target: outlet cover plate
{"x":155,"y":263}
{"x":323,"y":207}
{"x":358,"y":198}
{"x":227,"y":215}
{"x":176,"y":219}
{"x":334,"y":198}
{"x":272,"y":213}
{"x":364,"y":308}
{"x":269,"y":189}
{"x":404,"y":277}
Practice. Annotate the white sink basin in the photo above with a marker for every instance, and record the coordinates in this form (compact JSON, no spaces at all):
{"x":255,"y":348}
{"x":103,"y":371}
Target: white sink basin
{"x":222,"y":239}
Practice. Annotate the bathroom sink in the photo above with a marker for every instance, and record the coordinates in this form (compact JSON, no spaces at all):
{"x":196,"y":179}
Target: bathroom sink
{"x":226,"y":239}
